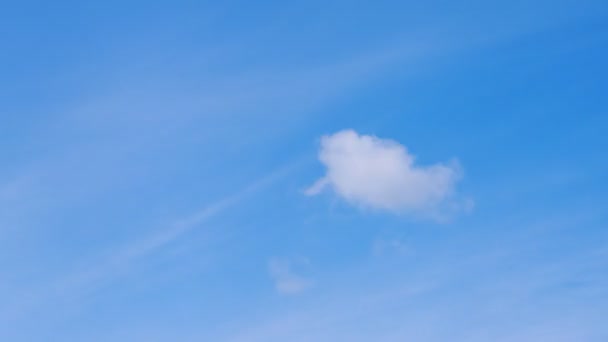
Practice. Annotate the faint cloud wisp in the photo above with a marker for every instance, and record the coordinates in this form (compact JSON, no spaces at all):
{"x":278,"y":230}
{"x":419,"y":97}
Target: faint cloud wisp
{"x":287,"y":276}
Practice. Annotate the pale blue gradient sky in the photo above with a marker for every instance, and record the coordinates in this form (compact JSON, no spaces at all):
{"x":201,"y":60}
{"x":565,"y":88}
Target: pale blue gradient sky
{"x":155,"y":155}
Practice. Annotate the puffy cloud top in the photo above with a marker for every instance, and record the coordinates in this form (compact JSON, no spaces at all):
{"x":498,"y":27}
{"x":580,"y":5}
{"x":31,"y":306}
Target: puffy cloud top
{"x":381,"y":174}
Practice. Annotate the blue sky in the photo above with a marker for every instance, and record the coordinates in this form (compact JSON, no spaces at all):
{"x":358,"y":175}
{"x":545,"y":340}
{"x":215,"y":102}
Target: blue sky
{"x":304,"y":171}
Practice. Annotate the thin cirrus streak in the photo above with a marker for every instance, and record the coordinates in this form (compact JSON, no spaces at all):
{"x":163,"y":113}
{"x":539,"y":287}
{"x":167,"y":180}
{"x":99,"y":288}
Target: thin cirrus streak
{"x":74,"y":285}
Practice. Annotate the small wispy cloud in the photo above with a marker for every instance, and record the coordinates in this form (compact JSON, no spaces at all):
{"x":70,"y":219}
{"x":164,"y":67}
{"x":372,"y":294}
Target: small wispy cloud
{"x":391,"y":246}
{"x":376,"y":173}
{"x":287,"y":275}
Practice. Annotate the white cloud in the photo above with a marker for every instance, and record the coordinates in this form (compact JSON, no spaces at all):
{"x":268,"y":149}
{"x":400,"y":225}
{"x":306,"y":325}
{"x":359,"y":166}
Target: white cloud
{"x":381,"y":174}
{"x":287,"y":280}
